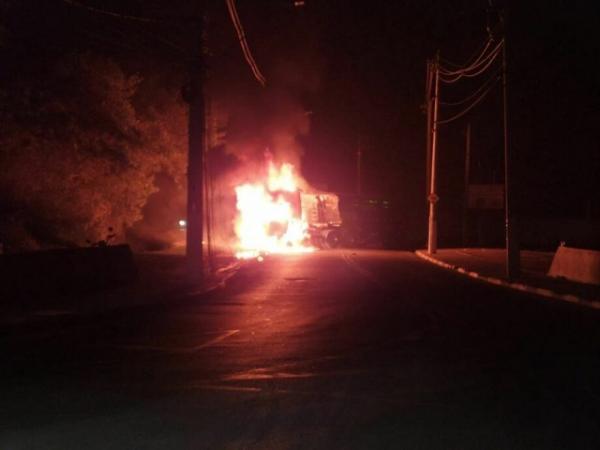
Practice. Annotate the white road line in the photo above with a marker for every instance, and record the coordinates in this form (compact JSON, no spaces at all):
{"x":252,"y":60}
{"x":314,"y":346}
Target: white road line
{"x":182,"y":350}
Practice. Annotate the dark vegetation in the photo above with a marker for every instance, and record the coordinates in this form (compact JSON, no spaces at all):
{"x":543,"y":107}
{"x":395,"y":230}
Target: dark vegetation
{"x":80,"y":145}
{"x":85,"y":129}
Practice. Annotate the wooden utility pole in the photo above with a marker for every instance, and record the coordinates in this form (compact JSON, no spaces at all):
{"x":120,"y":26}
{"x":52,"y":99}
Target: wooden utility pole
{"x":196,"y":131}
{"x":428,"y":81}
{"x":208,"y":187}
{"x":433,"y":197}
{"x":513,"y":258}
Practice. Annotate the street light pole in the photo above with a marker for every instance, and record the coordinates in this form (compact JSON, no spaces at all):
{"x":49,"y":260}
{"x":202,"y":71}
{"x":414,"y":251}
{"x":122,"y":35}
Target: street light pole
{"x":433,"y":198}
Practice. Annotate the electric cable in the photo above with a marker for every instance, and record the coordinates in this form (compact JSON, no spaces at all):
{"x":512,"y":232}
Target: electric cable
{"x":243,"y":42}
{"x":469,"y":65}
{"x":487,"y":62}
{"x":467,"y":109}
{"x":491,"y":31}
{"x":480,"y":62}
{"x":136,"y":28}
{"x":470,"y":60}
{"x":493,"y":79}
{"x":110,"y":13}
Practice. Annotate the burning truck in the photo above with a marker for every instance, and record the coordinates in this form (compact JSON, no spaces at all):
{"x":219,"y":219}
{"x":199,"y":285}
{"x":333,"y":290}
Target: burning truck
{"x":322,"y":213}
{"x":275,"y":216}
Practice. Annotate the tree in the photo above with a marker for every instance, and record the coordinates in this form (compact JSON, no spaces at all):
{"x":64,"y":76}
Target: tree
{"x":79,"y":149}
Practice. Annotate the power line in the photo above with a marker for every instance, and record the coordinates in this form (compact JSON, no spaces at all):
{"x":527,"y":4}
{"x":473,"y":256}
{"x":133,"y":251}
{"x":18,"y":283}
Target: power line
{"x":470,"y":60}
{"x":110,"y":13}
{"x":244,"y":43}
{"x":491,"y":31}
{"x":481,"y":61}
{"x":130,"y":28}
{"x":484,"y":64}
{"x":494,"y":78}
{"x":470,"y":63}
{"x":467,"y":109}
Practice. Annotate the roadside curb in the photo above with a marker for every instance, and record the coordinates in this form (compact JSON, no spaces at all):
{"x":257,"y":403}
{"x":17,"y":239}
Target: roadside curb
{"x":507,"y":284}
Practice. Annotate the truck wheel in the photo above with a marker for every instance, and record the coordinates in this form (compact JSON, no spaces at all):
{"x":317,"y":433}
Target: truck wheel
{"x":333,"y":239}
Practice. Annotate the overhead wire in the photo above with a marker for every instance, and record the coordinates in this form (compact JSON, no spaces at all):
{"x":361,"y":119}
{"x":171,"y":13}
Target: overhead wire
{"x":494,"y":78}
{"x":469,"y":65}
{"x":136,"y":28}
{"x":491,"y":32}
{"x":111,"y":13}
{"x":482,"y":60}
{"x":244,"y":43}
{"x":484,"y":64}
{"x":467,"y":109}
{"x":471,"y":59}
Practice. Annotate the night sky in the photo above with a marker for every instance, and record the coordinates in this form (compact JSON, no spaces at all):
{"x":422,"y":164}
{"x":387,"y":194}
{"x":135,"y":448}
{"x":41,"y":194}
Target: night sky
{"x":358,"y":70}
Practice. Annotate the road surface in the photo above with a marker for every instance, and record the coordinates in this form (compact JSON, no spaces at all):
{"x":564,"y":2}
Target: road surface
{"x":333,"y":350}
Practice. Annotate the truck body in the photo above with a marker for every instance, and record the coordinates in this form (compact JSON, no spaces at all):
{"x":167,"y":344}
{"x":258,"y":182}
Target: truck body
{"x":322,"y":213}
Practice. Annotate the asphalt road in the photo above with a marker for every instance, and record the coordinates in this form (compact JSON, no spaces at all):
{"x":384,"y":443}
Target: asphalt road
{"x":334,"y":350}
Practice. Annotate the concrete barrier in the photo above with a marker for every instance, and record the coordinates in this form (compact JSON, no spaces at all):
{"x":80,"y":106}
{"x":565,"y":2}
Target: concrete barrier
{"x":576,"y":264}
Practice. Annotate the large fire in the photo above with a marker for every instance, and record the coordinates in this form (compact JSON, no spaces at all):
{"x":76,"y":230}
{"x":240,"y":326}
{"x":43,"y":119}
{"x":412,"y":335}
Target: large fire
{"x":269,"y":216}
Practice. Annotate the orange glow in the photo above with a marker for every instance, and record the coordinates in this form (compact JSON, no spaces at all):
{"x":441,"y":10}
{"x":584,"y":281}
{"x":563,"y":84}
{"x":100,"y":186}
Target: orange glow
{"x":267,"y":220}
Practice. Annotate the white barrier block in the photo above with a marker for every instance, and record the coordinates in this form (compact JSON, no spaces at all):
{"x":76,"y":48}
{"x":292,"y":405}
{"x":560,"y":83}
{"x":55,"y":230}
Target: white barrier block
{"x":576,"y":264}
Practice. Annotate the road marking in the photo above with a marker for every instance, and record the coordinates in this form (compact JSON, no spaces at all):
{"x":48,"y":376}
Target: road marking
{"x":224,"y":387}
{"x":262,"y":374}
{"x":182,"y":350}
{"x":275,"y":373}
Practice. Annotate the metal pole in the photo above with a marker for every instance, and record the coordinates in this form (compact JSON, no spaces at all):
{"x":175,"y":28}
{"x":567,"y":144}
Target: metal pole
{"x":195,"y":193}
{"x":433,"y":198}
{"x":467,"y":175}
{"x":512,"y":244}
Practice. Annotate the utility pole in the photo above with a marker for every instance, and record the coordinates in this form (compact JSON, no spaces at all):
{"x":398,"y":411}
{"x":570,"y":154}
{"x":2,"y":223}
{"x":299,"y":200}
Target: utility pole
{"x":207,"y":179}
{"x":467,"y":175}
{"x":428,"y":81}
{"x":513,"y":258}
{"x":196,"y":131}
{"x":433,"y":197}
{"x":359,"y":168}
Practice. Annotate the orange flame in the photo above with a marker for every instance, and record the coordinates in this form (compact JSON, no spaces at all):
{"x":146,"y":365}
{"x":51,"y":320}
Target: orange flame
{"x":268,"y":221}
